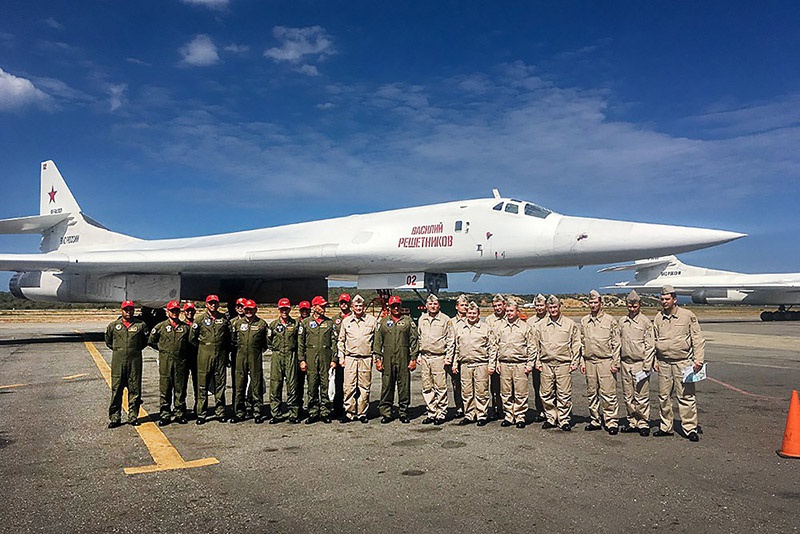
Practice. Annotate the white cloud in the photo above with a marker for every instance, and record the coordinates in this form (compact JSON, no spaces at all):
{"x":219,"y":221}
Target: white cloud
{"x":53,"y":23}
{"x":326,"y":105}
{"x":117,"y":95}
{"x":300,"y":44}
{"x":199,"y":52}
{"x":137,"y":61}
{"x":17,"y":93}
{"x":308,"y":70}
{"x":210,"y":4}
{"x":237,"y":49}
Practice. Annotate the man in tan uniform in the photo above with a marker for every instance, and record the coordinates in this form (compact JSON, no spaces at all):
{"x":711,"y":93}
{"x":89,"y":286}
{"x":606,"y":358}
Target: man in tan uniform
{"x":356,"y":334}
{"x":600,"y":364}
{"x":452,"y":370}
{"x":540,"y":306}
{"x":473,"y":343}
{"x":679,"y":345}
{"x":436,"y":348}
{"x":512,"y":356}
{"x":495,"y":321}
{"x":558,"y":352}
{"x":637,"y":354}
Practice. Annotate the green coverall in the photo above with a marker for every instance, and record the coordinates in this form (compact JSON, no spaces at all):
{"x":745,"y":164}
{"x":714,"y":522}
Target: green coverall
{"x":126,"y":343}
{"x":212,"y":336}
{"x":171,"y":340}
{"x":396,"y":344}
{"x":251,"y":342}
{"x":284,"y":366}
{"x":316,"y":344}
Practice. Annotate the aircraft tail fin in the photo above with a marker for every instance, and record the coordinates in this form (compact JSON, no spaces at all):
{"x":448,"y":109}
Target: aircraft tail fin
{"x":54,"y":195}
{"x":60,"y":221}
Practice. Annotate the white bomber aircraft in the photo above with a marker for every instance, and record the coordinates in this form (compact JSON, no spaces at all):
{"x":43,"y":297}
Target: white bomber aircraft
{"x":712,"y":286}
{"x":412,"y":248}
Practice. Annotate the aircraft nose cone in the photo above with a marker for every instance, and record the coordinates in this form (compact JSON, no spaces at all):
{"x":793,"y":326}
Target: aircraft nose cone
{"x":600,"y":240}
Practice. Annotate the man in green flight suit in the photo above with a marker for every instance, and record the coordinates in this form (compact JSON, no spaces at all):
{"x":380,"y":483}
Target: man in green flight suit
{"x":251,"y":342}
{"x":126,"y":337}
{"x":171,"y":339}
{"x":211,"y":333}
{"x":284,"y":365}
{"x":316,"y":343}
{"x":395,"y":349}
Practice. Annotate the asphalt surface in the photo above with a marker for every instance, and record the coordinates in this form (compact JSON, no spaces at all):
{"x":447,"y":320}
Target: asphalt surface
{"x":62,"y":470}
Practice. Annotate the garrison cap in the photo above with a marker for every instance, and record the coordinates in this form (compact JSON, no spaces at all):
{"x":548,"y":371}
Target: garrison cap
{"x":432,"y":298}
{"x":304,"y":305}
{"x":462,"y":298}
{"x":499,"y":298}
{"x":473,"y":306}
{"x":633,"y":296}
{"x":284,"y":303}
{"x":394,"y":299}
{"x":540,"y":299}
{"x":344,"y":297}
{"x":667,"y":289}
{"x":173,"y":305}
{"x":552,"y":299}
{"x":127,"y":304}
{"x":319,"y":301}
{"x":594,"y":294}
{"x":358,"y":299}
{"x":513,"y":302}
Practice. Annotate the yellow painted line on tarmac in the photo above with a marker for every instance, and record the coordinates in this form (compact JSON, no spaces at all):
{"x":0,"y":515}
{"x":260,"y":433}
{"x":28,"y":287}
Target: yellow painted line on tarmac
{"x":165,"y":455}
{"x":70,"y":377}
{"x":13,"y":386}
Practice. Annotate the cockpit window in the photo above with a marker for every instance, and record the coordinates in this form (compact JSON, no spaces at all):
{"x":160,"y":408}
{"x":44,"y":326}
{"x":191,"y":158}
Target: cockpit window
{"x":512,"y":208}
{"x":498,"y":207}
{"x":536,"y":211}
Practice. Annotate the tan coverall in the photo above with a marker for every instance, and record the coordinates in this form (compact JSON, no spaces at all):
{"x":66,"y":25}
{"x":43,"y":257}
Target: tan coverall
{"x":436,"y":348}
{"x":473,"y":342}
{"x":679,"y":344}
{"x":637,"y":353}
{"x":601,"y":348}
{"x":513,"y":353}
{"x":558,"y":347}
{"x":495,"y":323}
{"x":355,"y":354}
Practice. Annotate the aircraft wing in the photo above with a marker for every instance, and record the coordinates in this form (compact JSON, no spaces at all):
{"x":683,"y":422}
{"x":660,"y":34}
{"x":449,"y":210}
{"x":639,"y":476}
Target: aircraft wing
{"x":33,"y":262}
{"x":639,"y":264}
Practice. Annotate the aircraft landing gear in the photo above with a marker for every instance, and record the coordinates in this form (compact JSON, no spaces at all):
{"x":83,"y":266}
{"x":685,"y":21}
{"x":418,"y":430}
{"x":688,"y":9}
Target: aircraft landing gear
{"x":153,"y":316}
{"x":781,"y":314}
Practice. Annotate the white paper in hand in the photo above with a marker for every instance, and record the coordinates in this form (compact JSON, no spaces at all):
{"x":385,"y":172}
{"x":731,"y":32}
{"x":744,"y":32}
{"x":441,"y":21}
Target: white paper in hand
{"x":690,"y":376}
{"x":641,"y":375}
{"x":331,"y":383}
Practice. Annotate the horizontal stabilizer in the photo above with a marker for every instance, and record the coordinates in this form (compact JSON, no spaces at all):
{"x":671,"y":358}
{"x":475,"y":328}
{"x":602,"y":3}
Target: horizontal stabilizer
{"x":33,"y":262}
{"x":31,"y":225}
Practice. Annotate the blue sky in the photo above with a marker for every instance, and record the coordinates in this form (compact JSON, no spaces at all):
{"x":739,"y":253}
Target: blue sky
{"x":170,"y":118}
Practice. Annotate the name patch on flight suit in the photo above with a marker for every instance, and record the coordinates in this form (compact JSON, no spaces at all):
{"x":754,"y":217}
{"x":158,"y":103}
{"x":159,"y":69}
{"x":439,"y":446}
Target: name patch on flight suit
{"x":219,"y":321}
{"x":133,"y":329}
{"x":179,"y":329}
{"x":312,"y":324}
{"x":169,"y":328}
{"x":390,"y":323}
{"x":244,"y":327}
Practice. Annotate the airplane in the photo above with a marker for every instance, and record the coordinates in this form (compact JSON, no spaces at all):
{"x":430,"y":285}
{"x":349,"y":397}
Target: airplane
{"x":411,"y":248}
{"x":712,"y":286}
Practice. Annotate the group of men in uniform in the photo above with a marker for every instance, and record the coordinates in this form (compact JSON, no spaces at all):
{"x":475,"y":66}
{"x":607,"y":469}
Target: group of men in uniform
{"x":488,"y":361}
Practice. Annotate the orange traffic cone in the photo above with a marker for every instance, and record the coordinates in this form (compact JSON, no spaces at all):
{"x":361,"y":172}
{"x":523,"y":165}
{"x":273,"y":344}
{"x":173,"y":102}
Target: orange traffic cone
{"x":791,"y":438}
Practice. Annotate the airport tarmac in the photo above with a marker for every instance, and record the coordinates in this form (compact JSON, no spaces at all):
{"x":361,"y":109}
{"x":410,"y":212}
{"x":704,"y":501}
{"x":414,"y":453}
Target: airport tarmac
{"x":62,"y":470}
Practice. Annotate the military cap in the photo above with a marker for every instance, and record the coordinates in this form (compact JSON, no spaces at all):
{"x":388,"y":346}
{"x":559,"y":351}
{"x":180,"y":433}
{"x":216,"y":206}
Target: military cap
{"x":513,"y":302}
{"x":462,"y":298}
{"x":539,"y":298}
{"x":432,"y":298}
{"x":594,"y":294}
{"x":473,"y":306}
{"x":499,"y":298}
{"x":358,"y":299}
{"x":552,"y":299}
{"x":633,"y":296}
{"x":667,"y":289}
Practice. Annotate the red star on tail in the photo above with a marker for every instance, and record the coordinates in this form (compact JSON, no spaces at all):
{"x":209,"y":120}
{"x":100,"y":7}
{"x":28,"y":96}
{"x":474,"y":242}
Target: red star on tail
{"x":52,"y":194}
